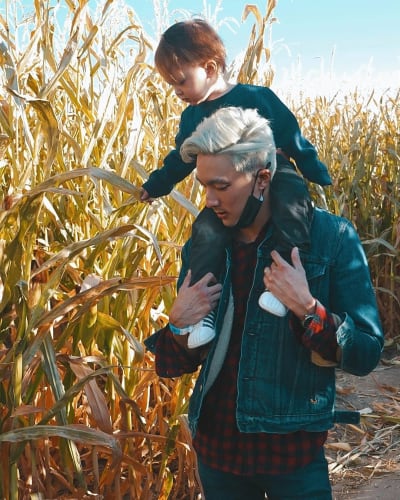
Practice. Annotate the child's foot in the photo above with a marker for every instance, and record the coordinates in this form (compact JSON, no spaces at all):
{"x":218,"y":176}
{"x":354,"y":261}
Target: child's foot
{"x":270,"y":303}
{"x":203,"y":331}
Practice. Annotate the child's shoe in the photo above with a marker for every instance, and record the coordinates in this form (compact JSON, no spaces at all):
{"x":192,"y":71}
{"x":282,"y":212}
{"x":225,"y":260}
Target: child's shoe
{"x":270,"y":303}
{"x":203,"y":331}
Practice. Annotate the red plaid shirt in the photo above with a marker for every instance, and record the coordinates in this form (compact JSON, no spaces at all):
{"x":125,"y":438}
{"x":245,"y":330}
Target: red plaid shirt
{"x":218,"y":441}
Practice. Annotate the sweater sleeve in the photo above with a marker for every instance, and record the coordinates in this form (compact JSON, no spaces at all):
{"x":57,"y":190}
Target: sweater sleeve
{"x":289,"y":138}
{"x":173,"y":170}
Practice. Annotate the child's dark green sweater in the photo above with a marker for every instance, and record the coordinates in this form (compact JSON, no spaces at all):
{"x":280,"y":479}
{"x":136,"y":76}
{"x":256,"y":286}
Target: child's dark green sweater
{"x":284,"y":125}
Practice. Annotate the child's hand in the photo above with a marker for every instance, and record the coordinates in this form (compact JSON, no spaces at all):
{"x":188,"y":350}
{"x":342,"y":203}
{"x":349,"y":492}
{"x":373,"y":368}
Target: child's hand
{"x":144,"y":196}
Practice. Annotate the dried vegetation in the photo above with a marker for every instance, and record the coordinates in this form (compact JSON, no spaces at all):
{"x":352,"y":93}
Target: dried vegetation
{"x":87,"y":272}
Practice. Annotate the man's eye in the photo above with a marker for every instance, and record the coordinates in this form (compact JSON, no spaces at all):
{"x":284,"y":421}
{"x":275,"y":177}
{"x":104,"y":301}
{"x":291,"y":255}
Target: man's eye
{"x":222,"y":187}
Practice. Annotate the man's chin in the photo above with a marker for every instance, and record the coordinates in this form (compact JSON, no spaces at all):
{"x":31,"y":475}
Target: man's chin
{"x":228,"y":220}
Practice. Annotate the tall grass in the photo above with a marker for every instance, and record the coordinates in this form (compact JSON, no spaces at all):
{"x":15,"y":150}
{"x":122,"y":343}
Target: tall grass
{"x":357,"y":135}
{"x":87,"y":271}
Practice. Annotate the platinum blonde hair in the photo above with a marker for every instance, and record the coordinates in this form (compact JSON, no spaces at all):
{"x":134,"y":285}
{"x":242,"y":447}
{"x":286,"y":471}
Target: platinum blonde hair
{"x":242,"y":134}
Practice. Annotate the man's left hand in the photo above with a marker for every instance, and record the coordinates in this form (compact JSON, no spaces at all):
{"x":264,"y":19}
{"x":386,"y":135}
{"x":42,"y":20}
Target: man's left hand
{"x":289,"y":283}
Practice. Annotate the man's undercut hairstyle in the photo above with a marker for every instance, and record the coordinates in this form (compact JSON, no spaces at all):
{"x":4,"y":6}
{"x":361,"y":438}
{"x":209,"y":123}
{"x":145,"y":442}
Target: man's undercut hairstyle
{"x":242,"y":134}
{"x":192,"y":42}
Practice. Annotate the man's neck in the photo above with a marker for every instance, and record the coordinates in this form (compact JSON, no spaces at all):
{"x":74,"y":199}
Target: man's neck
{"x":250,"y":233}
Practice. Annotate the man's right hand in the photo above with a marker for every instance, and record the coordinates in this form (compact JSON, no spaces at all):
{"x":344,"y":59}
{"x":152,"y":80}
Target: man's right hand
{"x":194,"y":302}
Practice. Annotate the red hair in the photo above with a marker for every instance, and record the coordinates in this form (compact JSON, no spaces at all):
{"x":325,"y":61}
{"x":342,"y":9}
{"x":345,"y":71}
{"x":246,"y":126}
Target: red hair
{"x":188,"y":42}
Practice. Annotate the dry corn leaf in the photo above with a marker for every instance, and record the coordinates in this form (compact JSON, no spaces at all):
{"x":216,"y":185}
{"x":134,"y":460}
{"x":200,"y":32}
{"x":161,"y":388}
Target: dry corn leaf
{"x":4,"y":142}
{"x":73,"y":432}
{"x":339,"y":446}
{"x":95,"y":396}
{"x":344,"y":390}
{"x":23,"y":410}
{"x":389,"y":388}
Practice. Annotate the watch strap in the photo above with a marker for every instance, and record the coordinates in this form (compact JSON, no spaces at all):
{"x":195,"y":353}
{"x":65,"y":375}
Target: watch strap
{"x":309,"y":317}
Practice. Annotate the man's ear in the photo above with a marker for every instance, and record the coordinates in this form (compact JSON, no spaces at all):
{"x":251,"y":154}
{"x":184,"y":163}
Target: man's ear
{"x":263,"y":178}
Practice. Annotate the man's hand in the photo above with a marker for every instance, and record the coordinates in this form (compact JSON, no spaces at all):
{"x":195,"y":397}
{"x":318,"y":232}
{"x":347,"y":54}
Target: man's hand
{"x":289,"y":283}
{"x":194,"y":302}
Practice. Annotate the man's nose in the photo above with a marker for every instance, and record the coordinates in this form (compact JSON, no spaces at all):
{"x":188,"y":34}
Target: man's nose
{"x":211,"y":200}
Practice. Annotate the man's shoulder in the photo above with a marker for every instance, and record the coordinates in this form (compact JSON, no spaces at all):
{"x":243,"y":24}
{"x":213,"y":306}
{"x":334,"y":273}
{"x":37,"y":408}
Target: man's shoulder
{"x":324,"y":214}
{"x":326,"y":222}
{"x":331,"y":235}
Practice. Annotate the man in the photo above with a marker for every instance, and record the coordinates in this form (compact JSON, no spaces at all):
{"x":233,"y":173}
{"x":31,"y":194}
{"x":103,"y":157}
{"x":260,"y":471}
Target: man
{"x":264,"y":398}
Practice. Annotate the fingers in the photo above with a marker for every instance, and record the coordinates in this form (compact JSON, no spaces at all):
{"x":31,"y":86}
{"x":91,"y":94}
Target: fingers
{"x":186,"y":281}
{"x":207,"y":279}
{"x":203,"y":283}
{"x":195,"y":301}
{"x":145,"y":197}
{"x":281,"y":274}
{"x":267,"y":277}
{"x":279,"y":266}
{"x":210,"y":279}
{"x":296,"y":261}
{"x":210,"y":291}
{"x":295,"y":256}
{"x":277,"y":259}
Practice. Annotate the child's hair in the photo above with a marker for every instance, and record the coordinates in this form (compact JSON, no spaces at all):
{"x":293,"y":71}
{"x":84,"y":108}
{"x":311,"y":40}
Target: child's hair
{"x":188,"y":42}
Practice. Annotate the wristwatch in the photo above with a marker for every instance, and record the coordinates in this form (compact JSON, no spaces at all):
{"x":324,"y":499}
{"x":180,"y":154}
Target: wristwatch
{"x":180,"y":331}
{"x":309,"y":318}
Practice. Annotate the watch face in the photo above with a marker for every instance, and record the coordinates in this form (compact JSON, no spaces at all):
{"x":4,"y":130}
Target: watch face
{"x":308,"y":320}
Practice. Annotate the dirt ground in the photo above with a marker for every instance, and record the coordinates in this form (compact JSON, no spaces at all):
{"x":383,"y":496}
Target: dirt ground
{"x":364,"y":460}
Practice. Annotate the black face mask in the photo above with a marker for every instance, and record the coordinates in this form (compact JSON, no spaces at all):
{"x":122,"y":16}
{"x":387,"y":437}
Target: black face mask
{"x":251,"y":208}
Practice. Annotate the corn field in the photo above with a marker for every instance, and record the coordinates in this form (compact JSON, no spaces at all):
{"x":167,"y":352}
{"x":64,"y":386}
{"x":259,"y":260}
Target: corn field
{"x":87,"y":271}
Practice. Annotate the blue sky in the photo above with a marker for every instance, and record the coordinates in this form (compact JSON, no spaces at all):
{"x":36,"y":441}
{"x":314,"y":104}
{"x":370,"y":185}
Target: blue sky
{"x":318,"y":41}
{"x":351,"y":39}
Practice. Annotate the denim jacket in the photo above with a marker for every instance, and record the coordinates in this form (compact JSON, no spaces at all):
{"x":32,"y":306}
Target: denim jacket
{"x":279,"y":389}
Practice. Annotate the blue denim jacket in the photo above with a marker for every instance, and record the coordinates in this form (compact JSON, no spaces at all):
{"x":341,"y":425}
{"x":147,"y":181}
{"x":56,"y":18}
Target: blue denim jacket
{"x":279,"y":389}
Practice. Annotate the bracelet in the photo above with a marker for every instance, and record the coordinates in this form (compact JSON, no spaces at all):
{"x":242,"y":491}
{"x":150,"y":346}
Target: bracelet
{"x":180,"y":331}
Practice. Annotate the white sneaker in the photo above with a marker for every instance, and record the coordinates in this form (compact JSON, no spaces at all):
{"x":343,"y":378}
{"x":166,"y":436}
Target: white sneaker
{"x":270,"y":303}
{"x":203,"y":331}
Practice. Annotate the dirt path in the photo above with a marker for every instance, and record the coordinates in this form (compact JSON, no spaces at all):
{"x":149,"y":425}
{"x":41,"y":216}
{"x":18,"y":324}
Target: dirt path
{"x":364,"y":461}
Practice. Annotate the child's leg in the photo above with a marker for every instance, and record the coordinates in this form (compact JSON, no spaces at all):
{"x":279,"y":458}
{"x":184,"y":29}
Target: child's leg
{"x":207,"y":254}
{"x":209,"y":240}
{"x":291,"y":215}
{"x":291,"y":208}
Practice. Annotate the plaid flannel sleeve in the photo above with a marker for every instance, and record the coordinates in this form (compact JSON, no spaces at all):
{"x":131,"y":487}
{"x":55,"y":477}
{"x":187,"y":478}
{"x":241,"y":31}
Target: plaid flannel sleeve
{"x":172,"y":360}
{"x":320,"y":335}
